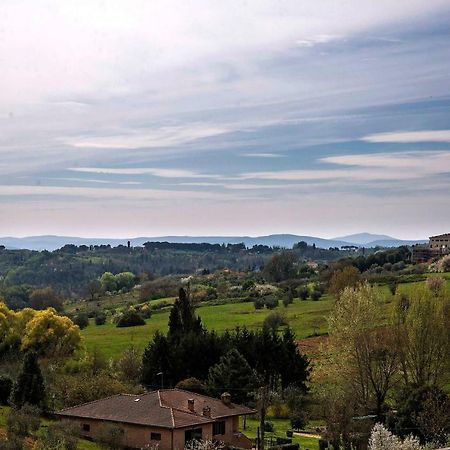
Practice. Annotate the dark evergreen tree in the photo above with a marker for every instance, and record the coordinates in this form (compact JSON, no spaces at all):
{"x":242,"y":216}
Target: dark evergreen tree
{"x":182,"y":319}
{"x":234,"y":375}
{"x":29,"y":387}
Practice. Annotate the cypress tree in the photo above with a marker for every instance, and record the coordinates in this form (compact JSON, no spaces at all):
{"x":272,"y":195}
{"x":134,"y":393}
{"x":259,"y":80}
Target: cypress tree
{"x":29,"y":387}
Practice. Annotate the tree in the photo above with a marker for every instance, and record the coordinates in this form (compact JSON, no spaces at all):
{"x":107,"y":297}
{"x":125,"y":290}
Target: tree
{"x":274,"y":320}
{"x":108,"y":282}
{"x":50,"y":334}
{"x":369,"y":356}
{"x":348,"y":276}
{"x":82,"y":320}
{"x":192,"y":384}
{"x":130,"y":365}
{"x":130,"y":318}
{"x":29,"y":387}
{"x":422,"y":326}
{"x":100,"y":318}
{"x":93,"y":288}
{"x":58,"y":436}
{"x":125,"y":280}
{"x":182,"y":318}
{"x":233,"y":374}
{"x":383,"y":439}
{"x":281,"y":266}
{"x":45,"y":298}
{"x":303,"y":293}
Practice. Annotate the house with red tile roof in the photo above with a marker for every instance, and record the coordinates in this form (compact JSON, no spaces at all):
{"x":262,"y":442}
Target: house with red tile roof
{"x":168,"y":418}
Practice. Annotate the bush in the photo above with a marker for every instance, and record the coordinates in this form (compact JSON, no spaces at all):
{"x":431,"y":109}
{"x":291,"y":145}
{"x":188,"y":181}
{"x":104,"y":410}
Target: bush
{"x":130,"y":318}
{"x":316,"y":295}
{"x":303,"y":292}
{"x":6,"y":385}
{"x":146,"y":312}
{"x":271,"y":302}
{"x":100,"y":319}
{"x":82,"y":320}
{"x":192,"y":384}
{"x":268,"y":427}
{"x":58,"y":436}
{"x":259,"y":303}
{"x":274,"y":320}
{"x":24,"y":421}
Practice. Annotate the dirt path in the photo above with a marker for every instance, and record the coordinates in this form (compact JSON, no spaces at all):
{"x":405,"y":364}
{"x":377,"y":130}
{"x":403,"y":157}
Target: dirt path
{"x":308,"y":435}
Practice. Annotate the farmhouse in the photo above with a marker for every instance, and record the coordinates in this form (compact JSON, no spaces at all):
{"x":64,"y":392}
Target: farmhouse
{"x":168,"y":418}
{"x":437,"y":246}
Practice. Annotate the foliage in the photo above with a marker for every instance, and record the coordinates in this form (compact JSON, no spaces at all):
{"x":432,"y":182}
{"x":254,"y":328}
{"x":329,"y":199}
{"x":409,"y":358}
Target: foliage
{"x":182,"y":319}
{"x":281,"y":266}
{"x":233,"y":374}
{"x":45,"y":298}
{"x":348,"y":276}
{"x":383,"y":439}
{"x":58,"y":436}
{"x":303,"y":292}
{"x":29,"y":387}
{"x":81,"y":320}
{"x":110,"y":436}
{"x":130,"y":318}
{"x":316,"y":295}
{"x":274,"y":321}
{"x":129,"y":365}
{"x":100,"y":318}
{"x":51,"y":334}
{"x":23,"y":421}
{"x":422,"y":326}
{"x":192,"y":384}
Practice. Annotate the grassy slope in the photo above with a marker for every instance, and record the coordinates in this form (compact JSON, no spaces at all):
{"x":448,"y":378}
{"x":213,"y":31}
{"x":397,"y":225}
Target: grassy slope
{"x":305,"y":317}
{"x":280,"y":427}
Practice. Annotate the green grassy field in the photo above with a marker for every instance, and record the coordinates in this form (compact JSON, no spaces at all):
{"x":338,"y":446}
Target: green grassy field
{"x":304,"y":317}
{"x":280,"y":428}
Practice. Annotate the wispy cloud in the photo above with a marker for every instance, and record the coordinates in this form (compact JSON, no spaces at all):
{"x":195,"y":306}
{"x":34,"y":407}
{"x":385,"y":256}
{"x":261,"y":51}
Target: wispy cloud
{"x":157,"y":172}
{"x":404,"y":137}
{"x":160,"y":137}
{"x":262,"y":155}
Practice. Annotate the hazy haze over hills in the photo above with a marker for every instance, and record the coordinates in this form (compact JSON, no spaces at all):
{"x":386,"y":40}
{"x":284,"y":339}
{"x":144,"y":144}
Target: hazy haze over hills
{"x":280,"y":240}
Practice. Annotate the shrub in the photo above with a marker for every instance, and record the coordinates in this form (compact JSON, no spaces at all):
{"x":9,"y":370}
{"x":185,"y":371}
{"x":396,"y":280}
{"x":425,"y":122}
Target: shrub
{"x":130,"y":318}
{"x":268,"y":427}
{"x":58,"y":436}
{"x":192,"y":384}
{"x":316,"y":295}
{"x":303,"y":292}
{"x":146,"y":312}
{"x":110,"y":436}
{"x":100,"y":318}
{"x":274,"y":320}
{"x":24,"y":421}
{"x":259,"y":303}
{"x":271,"y":302}
{"x":82,"y":320}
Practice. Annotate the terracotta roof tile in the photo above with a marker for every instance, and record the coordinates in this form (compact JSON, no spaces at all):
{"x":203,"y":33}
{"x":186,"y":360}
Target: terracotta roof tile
{"x":166,"y":408}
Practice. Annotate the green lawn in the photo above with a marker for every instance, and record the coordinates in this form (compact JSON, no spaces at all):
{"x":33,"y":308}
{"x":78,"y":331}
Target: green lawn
{"x":280,"y":427}
{"x":305,"y":318}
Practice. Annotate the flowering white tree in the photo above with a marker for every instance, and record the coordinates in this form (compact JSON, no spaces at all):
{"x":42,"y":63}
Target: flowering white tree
{"x":204,"y":444}
{"x":383,"y":439}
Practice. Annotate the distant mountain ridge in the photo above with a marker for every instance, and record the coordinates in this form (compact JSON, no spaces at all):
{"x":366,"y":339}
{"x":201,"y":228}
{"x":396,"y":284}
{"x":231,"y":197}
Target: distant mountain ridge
{"x":48,"y":242}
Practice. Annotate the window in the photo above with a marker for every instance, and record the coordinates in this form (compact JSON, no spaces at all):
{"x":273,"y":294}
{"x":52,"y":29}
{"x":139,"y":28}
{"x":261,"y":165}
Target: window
{"x":190,"y":435}
{"x":86,"y":427}
{"x":219,"y":428}
{"x":155,"y":436}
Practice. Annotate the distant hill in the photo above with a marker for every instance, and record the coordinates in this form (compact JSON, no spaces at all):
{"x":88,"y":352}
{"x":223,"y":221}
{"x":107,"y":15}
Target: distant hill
{"x":364,"y":238}
{"x":279,"y":240}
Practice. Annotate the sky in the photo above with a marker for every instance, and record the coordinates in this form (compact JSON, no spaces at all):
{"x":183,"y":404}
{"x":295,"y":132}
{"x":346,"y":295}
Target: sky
{"x":190,"y":117}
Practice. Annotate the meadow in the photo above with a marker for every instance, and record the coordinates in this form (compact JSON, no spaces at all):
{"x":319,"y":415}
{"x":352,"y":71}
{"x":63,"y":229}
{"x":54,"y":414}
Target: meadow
{"x":305,"y":317}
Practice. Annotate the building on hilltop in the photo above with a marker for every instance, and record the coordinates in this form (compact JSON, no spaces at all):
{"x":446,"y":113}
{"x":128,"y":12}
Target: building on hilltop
{"x":169,"y":418}
{"x":437,"y":246}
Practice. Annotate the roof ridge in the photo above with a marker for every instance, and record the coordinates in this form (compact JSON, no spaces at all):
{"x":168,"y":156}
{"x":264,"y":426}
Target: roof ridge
{"x":93,"y":401}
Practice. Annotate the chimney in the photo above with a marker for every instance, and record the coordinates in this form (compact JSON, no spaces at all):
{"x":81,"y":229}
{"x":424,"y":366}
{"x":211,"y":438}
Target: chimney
{"x":226,"y":398}
{"x":206,"y":411}
{"x":191,"y":403}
